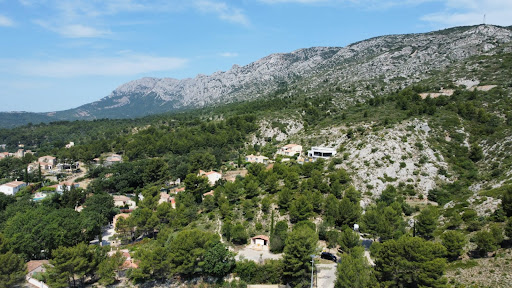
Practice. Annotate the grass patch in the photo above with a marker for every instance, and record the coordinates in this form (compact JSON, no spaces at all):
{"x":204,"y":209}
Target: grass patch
{"x":462,"y":265}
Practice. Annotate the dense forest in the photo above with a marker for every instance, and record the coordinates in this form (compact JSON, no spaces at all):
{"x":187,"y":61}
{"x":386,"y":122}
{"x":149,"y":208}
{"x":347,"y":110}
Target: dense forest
{"x":296,"y":204}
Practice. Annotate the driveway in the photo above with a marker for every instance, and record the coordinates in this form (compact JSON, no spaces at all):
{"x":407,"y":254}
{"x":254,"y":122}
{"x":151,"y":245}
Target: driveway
{"x":326,"y":275}
{"x":107,"y":232}
{"x":256,"y":255}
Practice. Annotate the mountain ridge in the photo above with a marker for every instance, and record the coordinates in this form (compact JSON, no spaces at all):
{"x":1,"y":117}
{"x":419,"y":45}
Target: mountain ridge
{"x":383,"y":63}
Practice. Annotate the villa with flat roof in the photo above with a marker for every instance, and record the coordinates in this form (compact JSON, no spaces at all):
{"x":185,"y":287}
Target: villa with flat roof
{"x":321,"y":152}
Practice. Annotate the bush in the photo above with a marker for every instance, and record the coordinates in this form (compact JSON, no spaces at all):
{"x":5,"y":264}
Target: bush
{"x":485,"y":242}
{"x":252,"y":273}
{"x":454,"y":243}
{"x":332,"y":237}
{"x":410,"y":262}
{"x":239,"y":235}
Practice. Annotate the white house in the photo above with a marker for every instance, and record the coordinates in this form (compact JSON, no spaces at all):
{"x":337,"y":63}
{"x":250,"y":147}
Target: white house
{"x":164,"y":197}
{"x":123,"y":201}
{"x":12,"y":188}
{"x":321,"y":152}
{"x":48,"y":159}
{"x":256,"y":159}
{"x":65,"y":186}
{"x":70,"y":144}
{"x":35,"y":166}
{"x":290,"y":150}
{"x":212,"y":176}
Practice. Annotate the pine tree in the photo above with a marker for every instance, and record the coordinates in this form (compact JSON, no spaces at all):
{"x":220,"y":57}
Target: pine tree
{"x":355,"y":271}
{"x":300,"y":245}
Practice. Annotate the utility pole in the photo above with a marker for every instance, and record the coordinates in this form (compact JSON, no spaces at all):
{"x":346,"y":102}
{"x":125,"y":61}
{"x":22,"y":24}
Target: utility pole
{"x":312,"y":267}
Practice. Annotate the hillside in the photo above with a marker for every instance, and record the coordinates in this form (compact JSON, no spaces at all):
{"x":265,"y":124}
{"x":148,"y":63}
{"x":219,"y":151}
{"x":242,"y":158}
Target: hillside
{"x":355,"y":72}
{"x":423,"y":165}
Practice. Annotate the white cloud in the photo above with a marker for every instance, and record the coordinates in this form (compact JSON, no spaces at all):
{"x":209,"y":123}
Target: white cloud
{"x":31,"y":2}
{"x":471,"y":12}
{"x":5,"y":22}
{"x":223,"y":11}
{"x":88,"y":19}
{"x":74,"y":30}
{"x":450,"y":12}
{"x":123,"y":65}
{"x":228,"y":54}
{"x":81,"y":31}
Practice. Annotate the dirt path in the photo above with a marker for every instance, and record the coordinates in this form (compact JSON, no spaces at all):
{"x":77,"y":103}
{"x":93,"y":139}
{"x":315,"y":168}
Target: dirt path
{"x":83,"y":184}
{"x":219,"y":229}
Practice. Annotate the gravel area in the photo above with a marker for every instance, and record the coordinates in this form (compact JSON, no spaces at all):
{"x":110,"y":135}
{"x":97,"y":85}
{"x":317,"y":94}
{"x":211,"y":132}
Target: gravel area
{"x":326,"y":275}
{"x":256,"y":255}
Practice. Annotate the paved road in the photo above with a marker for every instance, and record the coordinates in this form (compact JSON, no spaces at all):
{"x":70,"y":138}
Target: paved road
{"x":326,"y":275}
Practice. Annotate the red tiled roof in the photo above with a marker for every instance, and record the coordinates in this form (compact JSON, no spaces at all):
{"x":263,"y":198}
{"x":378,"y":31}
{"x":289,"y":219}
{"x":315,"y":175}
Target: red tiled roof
{"x":211,"y":172}
{"x":121,"y":198}
{"x":130,"y":264}
{"x":201,"y":173}
{"x":14,"y":184}
{"x":48,"y":157}
{"x":175,"y":191}
{"x":208,"y":194}
{"x":34,"y":264}
{"x":261,"y":237}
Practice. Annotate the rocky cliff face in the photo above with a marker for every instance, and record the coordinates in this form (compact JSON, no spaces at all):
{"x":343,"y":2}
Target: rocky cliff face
{"x":389,"y":61}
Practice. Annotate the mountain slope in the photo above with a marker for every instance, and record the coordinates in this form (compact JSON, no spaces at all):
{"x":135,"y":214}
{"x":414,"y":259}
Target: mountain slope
{"x":362,"y":69}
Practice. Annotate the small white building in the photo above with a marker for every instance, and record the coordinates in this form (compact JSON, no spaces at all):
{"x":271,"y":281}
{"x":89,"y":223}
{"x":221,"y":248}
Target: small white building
{"x":211,"y":175}
{"x":12,"y":188}
{"x":260,"y":242}
{"x":256,"y":159}
{"x":321,"y":152}
{"x":70,"y":144}
{"x":290,"y":150}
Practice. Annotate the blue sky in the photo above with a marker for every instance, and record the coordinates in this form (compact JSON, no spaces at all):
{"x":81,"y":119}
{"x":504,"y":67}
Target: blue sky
{"x":60,"y":54}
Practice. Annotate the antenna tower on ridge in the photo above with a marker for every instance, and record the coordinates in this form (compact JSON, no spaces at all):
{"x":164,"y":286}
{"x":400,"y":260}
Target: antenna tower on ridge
{"x":484,"y":19}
